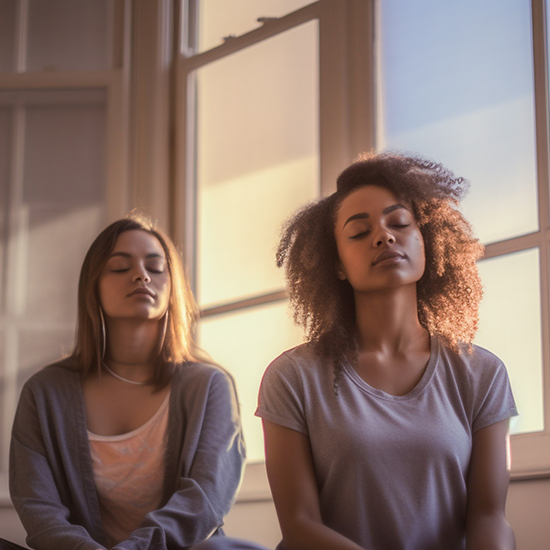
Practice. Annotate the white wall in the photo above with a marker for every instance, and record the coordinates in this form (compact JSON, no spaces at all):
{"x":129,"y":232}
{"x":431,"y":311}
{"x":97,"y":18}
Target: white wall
{"x":527,"y":510}
{"x":10,"y":526}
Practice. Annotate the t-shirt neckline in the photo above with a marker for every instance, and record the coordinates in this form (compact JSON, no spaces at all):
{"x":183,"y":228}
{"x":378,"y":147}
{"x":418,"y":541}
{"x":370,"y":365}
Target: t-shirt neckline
{"x":423,"y":382}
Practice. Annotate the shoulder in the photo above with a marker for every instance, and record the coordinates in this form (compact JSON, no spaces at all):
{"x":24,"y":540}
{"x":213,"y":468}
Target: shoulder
{"x":290,"y":384}
{"x":299,"y":361}
{"x":194,"y":383}
{"x":55,"y":377}
{"x":50,"y":398}
{"x":193,"y":375}
{"x":482,"y":383}
{"x":297,"y":370}
{"x":476,"y":363}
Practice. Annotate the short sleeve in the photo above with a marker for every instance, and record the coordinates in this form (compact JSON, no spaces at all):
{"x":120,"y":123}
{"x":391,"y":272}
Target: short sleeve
{"x":494,"y":400}
{"x":281,"y":397}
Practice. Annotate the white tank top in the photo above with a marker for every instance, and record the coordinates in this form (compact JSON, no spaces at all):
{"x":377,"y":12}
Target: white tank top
{"x":129,"y":474}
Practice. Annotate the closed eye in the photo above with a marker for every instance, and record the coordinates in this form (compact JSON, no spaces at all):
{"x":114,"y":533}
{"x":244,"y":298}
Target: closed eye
{"x":359,"y":235}
{"x":156,"y":267}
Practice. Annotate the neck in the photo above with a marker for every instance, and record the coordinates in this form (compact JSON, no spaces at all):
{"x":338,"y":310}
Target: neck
{"x":388,"y":320}
{"x":132,"y":347}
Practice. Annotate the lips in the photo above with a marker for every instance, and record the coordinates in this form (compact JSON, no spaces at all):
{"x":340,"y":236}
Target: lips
{"x":142,"y":290}
{"x":388,"y":255}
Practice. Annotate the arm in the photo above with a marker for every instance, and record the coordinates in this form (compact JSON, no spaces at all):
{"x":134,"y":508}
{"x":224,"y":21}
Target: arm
{"x":488,"y":477}
{"x":205,"y":492}
{"x":292,"y":481}
{"x":34,"y":489}
{"x":203,"y":495}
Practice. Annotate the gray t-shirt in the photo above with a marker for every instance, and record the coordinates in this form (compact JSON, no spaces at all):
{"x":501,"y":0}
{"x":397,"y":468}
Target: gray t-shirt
{"x":391,"y":470}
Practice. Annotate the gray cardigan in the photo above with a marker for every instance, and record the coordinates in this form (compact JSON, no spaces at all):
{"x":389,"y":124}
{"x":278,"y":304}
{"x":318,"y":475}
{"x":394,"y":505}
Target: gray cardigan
{"x":51,"y":477}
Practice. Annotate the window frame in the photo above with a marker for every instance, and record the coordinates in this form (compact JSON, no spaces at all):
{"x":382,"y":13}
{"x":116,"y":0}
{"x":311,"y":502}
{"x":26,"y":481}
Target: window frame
{"x":115,"y":83}
{"x":349,"y":88}
{"x":531,"y":451}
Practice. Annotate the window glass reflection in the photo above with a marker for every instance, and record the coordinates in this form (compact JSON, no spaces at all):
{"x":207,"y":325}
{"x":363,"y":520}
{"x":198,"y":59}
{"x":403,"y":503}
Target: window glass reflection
{"x":220,"y":18}
{"x":245,"y":342}
{"x":52,"y":205}
{"x":510,"y":327}
{"x":257,"y":161}
{"x":8,"y":10}
{"x":69,"y":35}
{"x":457,"y":86}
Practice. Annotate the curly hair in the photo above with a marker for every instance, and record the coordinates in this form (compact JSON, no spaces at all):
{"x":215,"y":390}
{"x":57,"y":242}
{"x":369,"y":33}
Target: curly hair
{"x":449,"y":292}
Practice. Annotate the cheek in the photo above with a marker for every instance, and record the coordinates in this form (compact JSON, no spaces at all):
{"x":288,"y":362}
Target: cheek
{"x":421,"y":252}
{"x":342,"y":264}
{"x":107,"y":291}
{"x":103,"y":291}
{"x":165,"y":289}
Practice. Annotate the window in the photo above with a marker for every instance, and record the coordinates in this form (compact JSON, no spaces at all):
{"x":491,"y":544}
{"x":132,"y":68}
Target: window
{"x":463,"y":83}
{"x":244,"y":15}
{"x":471,"y":103}
{"x":61,"y":152}
{"x":273,"y":100}
{"x":257,"y":160}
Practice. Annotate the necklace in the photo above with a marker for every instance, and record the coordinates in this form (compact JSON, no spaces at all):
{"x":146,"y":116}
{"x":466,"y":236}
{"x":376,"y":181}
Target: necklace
{"x":123,"y":379}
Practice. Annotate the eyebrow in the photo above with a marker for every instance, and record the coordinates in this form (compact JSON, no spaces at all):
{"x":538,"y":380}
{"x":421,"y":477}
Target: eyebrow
{"x":126,"y":255}
{"x":365,"y":215}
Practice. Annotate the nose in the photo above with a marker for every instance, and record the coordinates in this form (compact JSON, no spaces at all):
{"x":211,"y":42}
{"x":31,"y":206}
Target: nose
{"x":141,"y":275}
{"x":384,"y":236}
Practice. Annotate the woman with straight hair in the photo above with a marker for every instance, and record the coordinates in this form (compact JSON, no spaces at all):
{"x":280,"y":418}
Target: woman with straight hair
{"x":133,"y":441}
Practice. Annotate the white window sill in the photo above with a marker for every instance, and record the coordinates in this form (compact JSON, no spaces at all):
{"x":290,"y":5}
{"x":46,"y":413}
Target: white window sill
{"x":255,"y":486}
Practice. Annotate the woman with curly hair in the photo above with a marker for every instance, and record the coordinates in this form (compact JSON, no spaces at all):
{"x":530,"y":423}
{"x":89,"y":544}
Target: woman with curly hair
{"x":134,"y":441}
{"x":388,"y":429}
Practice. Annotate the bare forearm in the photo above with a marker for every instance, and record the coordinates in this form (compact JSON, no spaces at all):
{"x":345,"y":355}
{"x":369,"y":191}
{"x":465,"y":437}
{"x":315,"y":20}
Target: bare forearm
{"x":489,"y":532}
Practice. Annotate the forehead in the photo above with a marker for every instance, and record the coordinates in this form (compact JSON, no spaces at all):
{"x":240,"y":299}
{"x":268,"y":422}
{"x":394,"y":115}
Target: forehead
{"x":137,"y":241}
{"x":369,"y":199}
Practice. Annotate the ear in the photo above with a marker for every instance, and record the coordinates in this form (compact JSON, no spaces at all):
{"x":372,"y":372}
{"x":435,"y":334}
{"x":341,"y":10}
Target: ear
{"x":340,"y":273}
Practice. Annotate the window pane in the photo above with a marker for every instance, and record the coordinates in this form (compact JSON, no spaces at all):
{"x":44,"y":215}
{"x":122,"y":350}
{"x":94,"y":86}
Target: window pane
{"x":55,"y":244}
{"x":245,"y":342}
{"x":5,"y":133}
{"x":547,"y":28}
{"x":4,"y":426}
{"x":69,"y":35}
{"x":7,"y":34}
{"x":510,"y":327}
{"x":457,"y":86}
{"x":219,"y":18}
{"x":257,"y":160}
{"x":39,"y":347}
{"x":5,"y":149}
{"x":52,"y":182}
{"x":65,"y":151}
{"x":61,"y":184}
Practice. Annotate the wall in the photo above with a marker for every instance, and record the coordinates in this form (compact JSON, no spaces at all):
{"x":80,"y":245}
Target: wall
{"x":527,"y":510}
